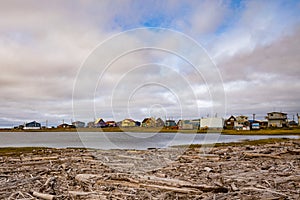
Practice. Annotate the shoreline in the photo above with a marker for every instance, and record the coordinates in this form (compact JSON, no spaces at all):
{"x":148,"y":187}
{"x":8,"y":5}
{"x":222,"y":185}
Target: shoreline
{"x":266,"y":169}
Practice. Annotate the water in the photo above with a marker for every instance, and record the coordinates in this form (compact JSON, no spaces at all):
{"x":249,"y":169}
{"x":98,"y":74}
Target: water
{"x":118,"y":140}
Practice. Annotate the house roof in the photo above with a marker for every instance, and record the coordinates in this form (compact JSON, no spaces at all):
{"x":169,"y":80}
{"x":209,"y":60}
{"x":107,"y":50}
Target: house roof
{"x":277,"y":113}
{"x":131,"y":120}
{"x":231,"y":117}
{"x":32,"y":123}
{"x":145,"y":120}
{"x":99,"y":120}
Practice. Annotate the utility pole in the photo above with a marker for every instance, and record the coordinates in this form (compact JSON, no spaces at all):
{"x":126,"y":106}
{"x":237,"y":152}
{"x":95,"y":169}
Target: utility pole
{"x":253,"y":116}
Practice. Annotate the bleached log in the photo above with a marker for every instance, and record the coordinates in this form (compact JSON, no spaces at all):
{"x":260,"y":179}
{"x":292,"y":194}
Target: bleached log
{"x":233,"y":187}
{"x":43,"y":196}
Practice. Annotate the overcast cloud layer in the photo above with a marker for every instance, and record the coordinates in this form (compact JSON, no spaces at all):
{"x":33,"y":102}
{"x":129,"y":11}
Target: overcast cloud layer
{"x":43,"y":44}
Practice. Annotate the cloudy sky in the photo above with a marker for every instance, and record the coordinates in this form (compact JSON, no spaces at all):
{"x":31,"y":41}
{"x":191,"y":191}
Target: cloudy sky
{"x":67,"y":60}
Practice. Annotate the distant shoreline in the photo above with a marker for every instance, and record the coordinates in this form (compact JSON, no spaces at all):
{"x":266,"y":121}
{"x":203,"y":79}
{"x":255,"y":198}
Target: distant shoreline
{"x":291,"y":131}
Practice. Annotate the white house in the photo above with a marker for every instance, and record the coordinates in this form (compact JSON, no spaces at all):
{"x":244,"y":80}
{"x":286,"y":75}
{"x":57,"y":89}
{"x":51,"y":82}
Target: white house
{"x":213,"y":122}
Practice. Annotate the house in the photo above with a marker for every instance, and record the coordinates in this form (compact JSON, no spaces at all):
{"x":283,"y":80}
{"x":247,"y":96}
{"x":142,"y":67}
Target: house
{"x":32,"y":126}
{"x":263,"y":124}
{"x":149,"y":122}
{"x":231,"y":122}
{"x":242,"y":123}
{"x":78,"y":124}
{"x":64,"y":125}
{"x":111,"y":124}
{"x":243,"y":120}
{"x":128,"y":123}
{"x":212,"y":122}
{"x":171,"y":124}
{"x":90,"y":125}
{"x":99,"y":123}
{"x":159,"y":122}
{"x":277,"y":119}
{"x":185,"y":125}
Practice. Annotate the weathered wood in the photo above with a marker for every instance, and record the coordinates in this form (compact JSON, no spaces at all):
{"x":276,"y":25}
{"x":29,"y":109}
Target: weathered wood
{"x":43,"y":196}
{"x":256,"y":155}
{"x":263,"y":190}
{"x":39,"y":158}
{"x":271,"y":173}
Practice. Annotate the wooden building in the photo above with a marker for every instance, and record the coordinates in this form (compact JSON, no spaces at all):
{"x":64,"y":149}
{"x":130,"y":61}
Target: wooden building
{"x":277,"y":119}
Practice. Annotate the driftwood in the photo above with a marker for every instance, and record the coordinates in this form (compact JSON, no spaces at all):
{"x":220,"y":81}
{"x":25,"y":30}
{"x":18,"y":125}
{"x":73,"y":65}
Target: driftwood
{"x":43,"y":196}
{"x":150,"y":182}
{"x":256,"y":155}
{"x":269,"y":171}
{"x":264,"y":190}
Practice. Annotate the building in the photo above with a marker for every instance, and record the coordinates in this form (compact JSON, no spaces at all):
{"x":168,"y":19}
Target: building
{"x":277,"y":119}
{"x":78,"y":124}
{"x":159,"y":122}
{"x":149,"y":122}
{"x":171,"y":124}
{"x":32,"y":126}
{"x":99,"y":123}
{"x":243,"y":120}
{"x":242,"y":123}
{"x":215,"y":123}
{"x":90,"y":125}
{"x":111,"y":124}
{"x":64,"y":125}
{"x":231,"y":122}
{"x":128,"y":123}
{"x":263,"y":124}
{"x":185,"y":125}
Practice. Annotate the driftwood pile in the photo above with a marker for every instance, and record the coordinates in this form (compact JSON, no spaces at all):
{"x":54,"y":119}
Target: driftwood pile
{"x":269,"y":171}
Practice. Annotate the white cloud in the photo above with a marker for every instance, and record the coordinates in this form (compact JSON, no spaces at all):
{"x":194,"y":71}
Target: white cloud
{"x":43,"y":44}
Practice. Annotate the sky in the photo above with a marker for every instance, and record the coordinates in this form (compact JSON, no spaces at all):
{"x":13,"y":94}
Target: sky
{"x":52,"y":55}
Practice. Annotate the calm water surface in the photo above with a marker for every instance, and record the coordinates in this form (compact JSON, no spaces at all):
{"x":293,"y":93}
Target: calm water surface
{"x":118,"y":140}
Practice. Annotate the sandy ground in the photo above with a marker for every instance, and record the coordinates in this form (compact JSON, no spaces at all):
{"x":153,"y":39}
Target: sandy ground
{"x":260,"y":171}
